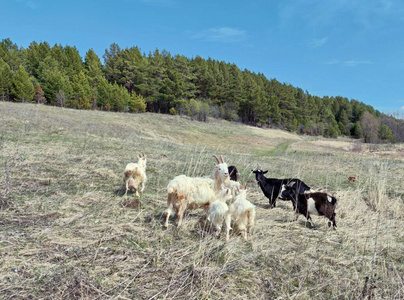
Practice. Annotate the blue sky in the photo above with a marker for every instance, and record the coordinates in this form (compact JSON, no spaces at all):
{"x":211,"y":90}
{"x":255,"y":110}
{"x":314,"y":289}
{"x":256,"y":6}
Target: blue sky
{"x":349,"y":48}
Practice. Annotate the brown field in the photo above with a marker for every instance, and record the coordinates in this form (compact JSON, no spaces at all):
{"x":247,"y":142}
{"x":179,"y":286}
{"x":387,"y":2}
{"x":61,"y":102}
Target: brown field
{"x":67,"y":232}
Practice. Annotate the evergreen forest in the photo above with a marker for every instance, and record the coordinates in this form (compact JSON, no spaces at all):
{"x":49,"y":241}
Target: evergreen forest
{"x":134,"y":82}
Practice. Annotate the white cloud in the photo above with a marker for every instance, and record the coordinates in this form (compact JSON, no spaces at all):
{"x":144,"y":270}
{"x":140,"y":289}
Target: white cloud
{"x":221,"y":34}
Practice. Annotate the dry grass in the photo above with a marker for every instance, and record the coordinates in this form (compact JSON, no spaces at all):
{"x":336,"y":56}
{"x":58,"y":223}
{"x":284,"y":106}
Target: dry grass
{"x":67,"y":233}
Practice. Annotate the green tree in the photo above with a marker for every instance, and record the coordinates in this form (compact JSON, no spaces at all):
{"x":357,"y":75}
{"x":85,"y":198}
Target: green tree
{"x":193,"y":109}
{"x":356,"y":130}
{"x":385,"y":133}
{"x":10,"y":54}
{"x":22,"y":88}
{"x":6,"y":79}
{"x":137,"y":103}
{"x":36,"y":53}
{"x":53,"y":80}
{"x":93,"y":68}
{"x":81,"y":96}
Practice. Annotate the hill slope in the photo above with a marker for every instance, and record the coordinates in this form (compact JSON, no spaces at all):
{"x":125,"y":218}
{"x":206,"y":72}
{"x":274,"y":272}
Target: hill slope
{"x":66,"y":231}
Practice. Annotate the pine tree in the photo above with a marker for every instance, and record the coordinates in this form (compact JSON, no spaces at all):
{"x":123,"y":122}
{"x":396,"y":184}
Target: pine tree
{"x":22,"y":88}
{"x":137,"y":103}
{"x":93,"y":68}
{"x":6,"y":78}
{"x":81,"y":97}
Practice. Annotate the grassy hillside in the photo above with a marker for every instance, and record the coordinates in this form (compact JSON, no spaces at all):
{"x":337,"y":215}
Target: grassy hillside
{"x":67,"y":233}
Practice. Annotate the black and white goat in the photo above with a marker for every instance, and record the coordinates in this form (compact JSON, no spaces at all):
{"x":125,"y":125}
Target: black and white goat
{"x":271,"y":187}
{"x":317,"y":203}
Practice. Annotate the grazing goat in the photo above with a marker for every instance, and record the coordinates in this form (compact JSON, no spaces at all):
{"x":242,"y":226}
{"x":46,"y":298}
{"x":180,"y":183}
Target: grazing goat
{"x":317,"y":203}
{"x":218,"y":210}
{"x":233,"y":172}
{"x":242,"y":212}
{"x":135,"y":175}
{"x":193,"y":192}
{"x":271,"y":187}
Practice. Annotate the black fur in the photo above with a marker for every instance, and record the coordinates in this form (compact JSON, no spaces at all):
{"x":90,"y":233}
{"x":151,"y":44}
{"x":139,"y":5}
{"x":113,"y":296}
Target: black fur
{"x":323,"y":206}
{"x":233,"y":173}
{"x":271,"y":187}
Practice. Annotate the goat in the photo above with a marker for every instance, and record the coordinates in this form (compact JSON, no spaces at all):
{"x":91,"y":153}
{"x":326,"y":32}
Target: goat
{"x":135,"y":175}
{"x":271,"y":187}
{"x":233,"y":172}
{"x":218,"y":210}
{"x":193,"y":192}
{"x":242,"y":212}
{"x":317,"y":203}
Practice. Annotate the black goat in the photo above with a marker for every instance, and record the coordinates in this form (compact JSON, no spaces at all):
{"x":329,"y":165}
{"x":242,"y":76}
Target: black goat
{"x":317,"y":203}
{"x":233,"y":173}
{"x":271,"y":187}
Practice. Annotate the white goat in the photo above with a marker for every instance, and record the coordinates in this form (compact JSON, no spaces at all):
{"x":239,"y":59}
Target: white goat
{"x":193,"y":192}
{"x":242,"y":212}
{"x":135,"y":175}
{"x":218,"y":210}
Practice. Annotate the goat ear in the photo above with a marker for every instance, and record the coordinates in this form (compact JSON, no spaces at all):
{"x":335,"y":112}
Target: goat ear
{"x":264,"y":172}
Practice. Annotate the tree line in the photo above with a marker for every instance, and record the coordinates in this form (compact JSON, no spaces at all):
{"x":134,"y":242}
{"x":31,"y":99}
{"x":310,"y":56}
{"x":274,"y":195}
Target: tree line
{"x":132,"y":81}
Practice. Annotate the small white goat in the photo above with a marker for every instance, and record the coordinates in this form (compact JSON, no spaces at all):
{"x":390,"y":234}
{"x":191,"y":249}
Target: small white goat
{"x":193,"y":192}
{"x":218,"y":210}
{"x":135,"y":175}
{"x":242,"y":212}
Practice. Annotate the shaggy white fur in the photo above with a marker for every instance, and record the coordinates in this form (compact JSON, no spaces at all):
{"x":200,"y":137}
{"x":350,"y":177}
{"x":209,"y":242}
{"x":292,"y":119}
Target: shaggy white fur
{"x":135,"y":175}
{"x":193,"y":192}
{"x":242,"y":212}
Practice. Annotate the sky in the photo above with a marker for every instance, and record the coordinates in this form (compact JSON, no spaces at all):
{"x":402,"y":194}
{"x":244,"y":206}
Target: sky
{"x":348,"y":48}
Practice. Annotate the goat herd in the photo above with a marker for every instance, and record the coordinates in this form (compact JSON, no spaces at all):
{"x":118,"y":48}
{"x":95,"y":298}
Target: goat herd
{"x":225,"y":200}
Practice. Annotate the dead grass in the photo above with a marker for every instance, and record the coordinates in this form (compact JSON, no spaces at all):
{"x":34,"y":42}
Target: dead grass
{"x":67,"y":233}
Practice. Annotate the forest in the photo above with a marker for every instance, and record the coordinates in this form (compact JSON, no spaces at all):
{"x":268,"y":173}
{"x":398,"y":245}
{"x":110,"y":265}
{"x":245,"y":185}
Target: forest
{"x":135,"y":82}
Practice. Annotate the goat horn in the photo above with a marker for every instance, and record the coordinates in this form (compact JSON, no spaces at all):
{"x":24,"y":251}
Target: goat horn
{"x":221,"y":156}
{"x":217,"y":158}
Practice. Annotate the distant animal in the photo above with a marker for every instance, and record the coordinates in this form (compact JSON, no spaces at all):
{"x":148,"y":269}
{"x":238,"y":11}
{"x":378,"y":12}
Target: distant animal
{"x":271,"y":187}
{"x":317,"y":203}
{"x":135,"y":175}
{"x":233,"y":172}
{"x":242,"y":213}
{"x":193,"y":192}
{"x":352,"y":178}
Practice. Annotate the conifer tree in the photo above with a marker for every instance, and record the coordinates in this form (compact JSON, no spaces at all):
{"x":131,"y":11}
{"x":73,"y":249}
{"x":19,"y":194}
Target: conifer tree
{"x":6,"y":78}
{"x":22,"y":89}
{"x":137,"y":103}
{"x":81,"y":97}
